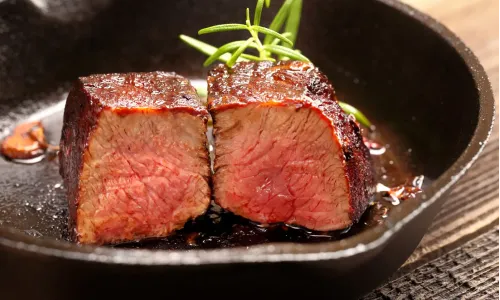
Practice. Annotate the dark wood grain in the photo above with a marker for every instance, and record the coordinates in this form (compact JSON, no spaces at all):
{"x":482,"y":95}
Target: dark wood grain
{"x":470,"y":270}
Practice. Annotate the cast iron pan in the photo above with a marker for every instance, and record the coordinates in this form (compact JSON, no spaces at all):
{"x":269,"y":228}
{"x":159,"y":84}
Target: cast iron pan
{"x":423,"y":88}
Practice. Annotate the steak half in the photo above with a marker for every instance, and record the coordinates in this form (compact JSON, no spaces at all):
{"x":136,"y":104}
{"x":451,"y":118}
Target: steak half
{"x":133,"y":156}
{"x":285,"y":152}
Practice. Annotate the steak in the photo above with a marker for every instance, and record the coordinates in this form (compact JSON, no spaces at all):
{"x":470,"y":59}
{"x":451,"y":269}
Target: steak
{"x":285,"y":152}
{"x":133,"y":156}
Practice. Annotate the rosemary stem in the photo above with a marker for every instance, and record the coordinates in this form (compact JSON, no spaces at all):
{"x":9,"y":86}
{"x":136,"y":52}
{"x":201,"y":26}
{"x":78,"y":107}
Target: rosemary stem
{"x":262,"y":52}
{"x":255,"y":35}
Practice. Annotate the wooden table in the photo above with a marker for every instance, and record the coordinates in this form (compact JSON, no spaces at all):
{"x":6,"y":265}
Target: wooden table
{"x":458,"y":257}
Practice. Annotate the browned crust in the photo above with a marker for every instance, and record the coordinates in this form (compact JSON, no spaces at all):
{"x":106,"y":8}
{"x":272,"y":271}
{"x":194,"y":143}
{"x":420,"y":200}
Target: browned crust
{"x":303,"y":85}
{"x":89,"y":96}
{"x":152,"y":90}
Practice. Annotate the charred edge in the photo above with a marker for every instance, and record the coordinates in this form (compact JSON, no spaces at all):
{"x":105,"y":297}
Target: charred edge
{"x":360,"y":170}
{"x":86,"y":110}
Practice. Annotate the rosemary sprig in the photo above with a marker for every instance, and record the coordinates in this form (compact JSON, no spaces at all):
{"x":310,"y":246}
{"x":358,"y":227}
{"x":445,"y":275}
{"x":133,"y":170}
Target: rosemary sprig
{"x":279,"y":20}
{"x":293,"y":21}
{"x":204,"y":47}
{"x":200,"y":87}
{"x":360,"y":117}
{"x":275,"y":45}
{"x":258,"y":11}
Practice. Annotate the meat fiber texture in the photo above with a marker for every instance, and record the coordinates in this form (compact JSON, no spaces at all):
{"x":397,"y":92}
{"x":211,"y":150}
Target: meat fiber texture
{"x":285,"y":152}
{"x":133,"y":156}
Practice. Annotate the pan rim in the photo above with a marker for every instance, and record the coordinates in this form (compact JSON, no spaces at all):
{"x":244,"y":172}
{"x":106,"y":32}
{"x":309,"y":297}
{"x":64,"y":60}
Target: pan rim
{"x":273,"y":252}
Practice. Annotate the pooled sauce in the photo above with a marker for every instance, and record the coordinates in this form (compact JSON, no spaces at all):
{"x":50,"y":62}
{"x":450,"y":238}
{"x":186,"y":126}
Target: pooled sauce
{"x":27,"y":144}
{"x":374,"y":147}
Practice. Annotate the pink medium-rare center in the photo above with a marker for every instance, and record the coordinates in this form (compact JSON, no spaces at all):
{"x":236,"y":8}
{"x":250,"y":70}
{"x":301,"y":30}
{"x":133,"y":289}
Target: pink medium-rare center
{"x":142,"y":183}
{"x":279,"y":164}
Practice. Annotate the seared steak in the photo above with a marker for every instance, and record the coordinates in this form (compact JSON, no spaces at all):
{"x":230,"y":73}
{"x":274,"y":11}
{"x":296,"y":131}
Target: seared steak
{"x":285,"y":152}
{"x":133,"y":156}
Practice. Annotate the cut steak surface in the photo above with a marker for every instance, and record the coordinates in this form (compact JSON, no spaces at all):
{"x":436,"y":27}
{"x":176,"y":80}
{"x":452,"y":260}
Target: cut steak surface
{"x":285,"y":152}
{"x":133,"y":156}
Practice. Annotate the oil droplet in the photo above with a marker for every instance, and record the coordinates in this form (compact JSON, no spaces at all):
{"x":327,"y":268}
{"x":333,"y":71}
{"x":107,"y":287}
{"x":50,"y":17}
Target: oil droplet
{"x":374,"y":147}
{"x":33,"y":232}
